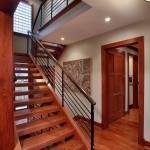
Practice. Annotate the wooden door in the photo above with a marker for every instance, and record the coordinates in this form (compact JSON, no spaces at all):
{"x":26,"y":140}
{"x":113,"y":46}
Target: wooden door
{"x":116,"y":84}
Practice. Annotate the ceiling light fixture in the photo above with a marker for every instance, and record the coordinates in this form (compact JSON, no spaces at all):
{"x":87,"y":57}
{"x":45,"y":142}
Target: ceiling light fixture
{"x":147,"y":0}
{"x":62,"y":39}
{"x":107,"y":19}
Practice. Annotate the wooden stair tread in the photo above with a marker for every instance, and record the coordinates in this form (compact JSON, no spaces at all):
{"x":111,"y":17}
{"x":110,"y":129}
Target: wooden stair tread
{"x":52,"y":52}
{"x":17,"y":60}
{"x":29,"y":77}
{"x":73,"y":144}
{"x":21,"y":54}
{"x":30,"y":92}
{"x":29,"y":84}
{"x":40,"y":124}
{"x":21,"y":114}
{"x":47,"y":138}
{"x":26,"y":71}
{"x":21,"y":65}
{"x":33,"y":101}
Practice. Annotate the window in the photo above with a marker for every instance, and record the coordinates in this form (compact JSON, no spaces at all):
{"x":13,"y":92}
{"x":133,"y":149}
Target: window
{"x":23,"y":18}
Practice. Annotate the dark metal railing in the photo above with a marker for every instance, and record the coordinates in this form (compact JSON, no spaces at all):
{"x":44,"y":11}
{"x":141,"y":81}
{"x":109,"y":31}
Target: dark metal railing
{"x":79,"y":104}
{"x":48,"y":10}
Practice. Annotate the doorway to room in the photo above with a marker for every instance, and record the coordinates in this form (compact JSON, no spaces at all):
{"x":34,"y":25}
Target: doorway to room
{"x":133,"y":81}
{"x":115,"y":97}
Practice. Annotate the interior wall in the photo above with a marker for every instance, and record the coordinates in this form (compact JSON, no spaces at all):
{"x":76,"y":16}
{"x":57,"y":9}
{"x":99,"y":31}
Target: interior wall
{"x":91,"y":48}
{"x":131,"y":75}
{"x":20,"y":41}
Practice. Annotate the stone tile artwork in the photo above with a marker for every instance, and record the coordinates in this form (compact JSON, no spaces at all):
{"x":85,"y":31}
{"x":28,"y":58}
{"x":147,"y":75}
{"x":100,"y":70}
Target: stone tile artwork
{"x":80,"y":70}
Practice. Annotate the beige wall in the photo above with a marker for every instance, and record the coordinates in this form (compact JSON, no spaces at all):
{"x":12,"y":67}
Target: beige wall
{"x":131,"y":85}
{"x":20,"y":42}
{"x":91,"y":48}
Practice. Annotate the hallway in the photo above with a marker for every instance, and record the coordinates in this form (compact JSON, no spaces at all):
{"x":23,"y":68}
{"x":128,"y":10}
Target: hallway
{"x":121,"y":134}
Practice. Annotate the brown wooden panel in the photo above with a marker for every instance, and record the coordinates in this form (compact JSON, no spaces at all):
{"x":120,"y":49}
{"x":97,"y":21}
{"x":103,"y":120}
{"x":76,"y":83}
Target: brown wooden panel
{"x":111,"y":63}
{"x":9,"y":6}
{"x":120,"y":62}
{"x":116,"y":84}
{"x":6,"y":83}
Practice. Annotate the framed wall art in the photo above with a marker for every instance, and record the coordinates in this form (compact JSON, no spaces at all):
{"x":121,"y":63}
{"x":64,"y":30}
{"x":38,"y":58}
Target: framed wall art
{"x":80,"y":70}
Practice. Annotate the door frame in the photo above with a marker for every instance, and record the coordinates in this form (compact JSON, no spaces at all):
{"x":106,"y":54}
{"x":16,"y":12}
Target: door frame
{"x":104,"y":48}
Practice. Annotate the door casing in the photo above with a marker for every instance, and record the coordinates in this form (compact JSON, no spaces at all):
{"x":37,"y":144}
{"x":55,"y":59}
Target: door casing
{"x":104,"y":48}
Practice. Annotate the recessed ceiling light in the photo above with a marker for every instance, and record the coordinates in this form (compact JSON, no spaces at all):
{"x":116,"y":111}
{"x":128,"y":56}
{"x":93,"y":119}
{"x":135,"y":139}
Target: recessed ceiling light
{"x":147,"y":0}
{"x":107,"y":19}
{"x":62,"y":39}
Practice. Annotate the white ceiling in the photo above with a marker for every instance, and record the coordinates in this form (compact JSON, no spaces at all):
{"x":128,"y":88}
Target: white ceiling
{"x":91,"y":22}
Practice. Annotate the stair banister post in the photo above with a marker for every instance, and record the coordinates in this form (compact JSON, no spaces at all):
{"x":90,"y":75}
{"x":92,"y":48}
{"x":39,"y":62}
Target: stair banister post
{"x":62,"y":88}
{"x":92,"y":127}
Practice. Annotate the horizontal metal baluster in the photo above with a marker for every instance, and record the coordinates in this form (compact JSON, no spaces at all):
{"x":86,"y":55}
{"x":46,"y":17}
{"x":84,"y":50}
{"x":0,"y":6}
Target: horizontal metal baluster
{"x":74,"y":97}
{"x":74,"y":109}
{"x":76,"y":113}
{"x":79,"y":105}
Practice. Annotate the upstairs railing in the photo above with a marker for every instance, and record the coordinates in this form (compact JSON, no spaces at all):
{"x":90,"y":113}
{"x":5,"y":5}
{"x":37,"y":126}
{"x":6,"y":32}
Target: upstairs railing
{"x":79,"y":104}
{"x":48,"y":10}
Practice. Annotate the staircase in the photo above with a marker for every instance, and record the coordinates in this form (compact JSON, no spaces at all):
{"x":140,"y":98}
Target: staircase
{"x":54,"y":49}
{"x":41,"y":121}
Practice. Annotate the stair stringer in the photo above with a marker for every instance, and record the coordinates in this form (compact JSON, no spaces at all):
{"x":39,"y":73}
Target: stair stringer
{"x":17,"y":141}
{"x":64,"y":110}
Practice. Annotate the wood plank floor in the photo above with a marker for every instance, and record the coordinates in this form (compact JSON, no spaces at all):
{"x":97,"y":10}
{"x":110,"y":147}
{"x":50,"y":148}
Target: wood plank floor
{"x":121,"y":134}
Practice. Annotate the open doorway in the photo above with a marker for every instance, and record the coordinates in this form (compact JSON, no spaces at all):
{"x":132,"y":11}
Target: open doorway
{"x":133,"y":73}
{"x":105,"y":83}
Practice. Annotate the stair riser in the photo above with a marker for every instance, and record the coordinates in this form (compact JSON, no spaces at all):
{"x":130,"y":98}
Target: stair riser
{"x":34,"y":102}
{"x":46,"y":125}
{"x":36,"y":114}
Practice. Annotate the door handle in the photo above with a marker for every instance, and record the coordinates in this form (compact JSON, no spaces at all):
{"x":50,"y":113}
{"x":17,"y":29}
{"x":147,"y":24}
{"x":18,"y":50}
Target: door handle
{"x":117,"y":94}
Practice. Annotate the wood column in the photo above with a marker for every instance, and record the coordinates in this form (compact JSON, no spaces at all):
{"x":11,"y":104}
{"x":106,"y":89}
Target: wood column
{"x":6,"y":83}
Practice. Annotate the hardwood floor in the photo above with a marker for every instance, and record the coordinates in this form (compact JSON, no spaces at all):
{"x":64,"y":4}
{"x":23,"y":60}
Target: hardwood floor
{"x":122,"y":134}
